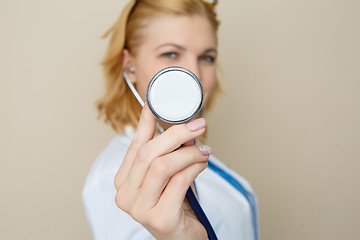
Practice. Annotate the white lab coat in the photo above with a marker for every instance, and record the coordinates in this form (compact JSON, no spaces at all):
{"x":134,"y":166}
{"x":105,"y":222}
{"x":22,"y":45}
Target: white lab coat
{"x":227,"y":209}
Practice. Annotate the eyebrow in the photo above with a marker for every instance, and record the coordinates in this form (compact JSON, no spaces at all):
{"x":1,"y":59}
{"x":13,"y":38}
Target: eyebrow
{"x":170,"y":45}
{"x":182,"y":48}
{"x":209,"y":50}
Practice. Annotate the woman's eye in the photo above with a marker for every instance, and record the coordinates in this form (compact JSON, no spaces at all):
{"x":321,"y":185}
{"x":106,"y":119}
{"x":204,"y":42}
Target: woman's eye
{"x":170,"y":54}
{"x":207,"y":58}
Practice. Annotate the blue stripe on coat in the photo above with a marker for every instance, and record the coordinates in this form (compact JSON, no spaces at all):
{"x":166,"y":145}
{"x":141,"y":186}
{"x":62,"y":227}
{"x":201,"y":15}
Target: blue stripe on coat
{"x":237,"y":185}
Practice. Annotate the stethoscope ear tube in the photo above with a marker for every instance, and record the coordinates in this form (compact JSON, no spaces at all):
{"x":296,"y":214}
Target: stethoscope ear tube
{"x":138,"y":98}
{"x":200,"y":214}
{"x":195,"y":107}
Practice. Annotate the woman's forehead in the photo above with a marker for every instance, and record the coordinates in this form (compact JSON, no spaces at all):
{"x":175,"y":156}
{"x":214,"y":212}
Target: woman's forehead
{"x":181,"y":30}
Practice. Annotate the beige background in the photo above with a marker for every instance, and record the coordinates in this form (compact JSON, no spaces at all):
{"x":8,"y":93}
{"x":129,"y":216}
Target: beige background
{"x":289,"y":122}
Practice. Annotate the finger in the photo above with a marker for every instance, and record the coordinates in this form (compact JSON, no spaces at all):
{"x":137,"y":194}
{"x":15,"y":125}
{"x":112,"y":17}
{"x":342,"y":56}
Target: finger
{"x":146,"y":127}
{"x":177,"y":135}
{"x":144,"y":133}
{"x":175,"y":191}
{"x":163,"y":168}
{"x":165,"y":143}
{"x":189,"y":143}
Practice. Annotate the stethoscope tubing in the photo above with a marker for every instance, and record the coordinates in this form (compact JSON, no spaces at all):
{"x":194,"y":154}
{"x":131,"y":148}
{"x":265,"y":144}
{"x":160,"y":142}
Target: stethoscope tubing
{"x":200,"y":214}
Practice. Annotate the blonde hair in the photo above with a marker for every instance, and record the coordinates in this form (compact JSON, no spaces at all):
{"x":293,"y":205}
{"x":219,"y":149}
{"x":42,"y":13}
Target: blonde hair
{"x":118,"y":106}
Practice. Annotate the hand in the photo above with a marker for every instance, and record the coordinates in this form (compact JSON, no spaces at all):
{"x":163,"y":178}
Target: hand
{"x":153,"y":179}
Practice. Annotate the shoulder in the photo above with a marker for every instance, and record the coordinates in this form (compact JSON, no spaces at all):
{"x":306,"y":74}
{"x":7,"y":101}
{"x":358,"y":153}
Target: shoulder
{"x":105,"y":219}
{"x":108,"y":162}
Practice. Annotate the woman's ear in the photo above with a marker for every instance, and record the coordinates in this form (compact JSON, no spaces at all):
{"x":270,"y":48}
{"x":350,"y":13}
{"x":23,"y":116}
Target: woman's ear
{"x":128,"y":65}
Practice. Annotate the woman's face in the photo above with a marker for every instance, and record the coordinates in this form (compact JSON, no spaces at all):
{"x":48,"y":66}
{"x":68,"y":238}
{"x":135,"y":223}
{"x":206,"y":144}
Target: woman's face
{"x":185,"y":41}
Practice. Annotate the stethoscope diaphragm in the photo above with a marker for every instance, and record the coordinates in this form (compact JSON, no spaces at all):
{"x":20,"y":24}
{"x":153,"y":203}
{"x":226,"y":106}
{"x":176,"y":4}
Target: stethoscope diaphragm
{"x":175,"y":95}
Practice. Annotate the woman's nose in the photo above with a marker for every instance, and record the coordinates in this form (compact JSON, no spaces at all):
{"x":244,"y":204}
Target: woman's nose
{"x":193,"y":66}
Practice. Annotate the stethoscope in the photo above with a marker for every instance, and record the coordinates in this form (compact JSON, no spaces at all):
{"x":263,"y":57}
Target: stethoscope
{"x":175,"y":95}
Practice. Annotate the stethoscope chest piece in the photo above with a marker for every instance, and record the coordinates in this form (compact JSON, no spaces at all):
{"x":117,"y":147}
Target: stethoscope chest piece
{"x":175,"y":95}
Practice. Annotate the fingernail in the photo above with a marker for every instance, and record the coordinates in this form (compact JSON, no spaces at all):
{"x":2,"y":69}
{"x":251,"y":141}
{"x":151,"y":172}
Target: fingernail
{"x":196,"y":124}
{"x":205,"y":150}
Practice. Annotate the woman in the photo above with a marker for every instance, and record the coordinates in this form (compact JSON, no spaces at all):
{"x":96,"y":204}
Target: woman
{"x":152,"y":173}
